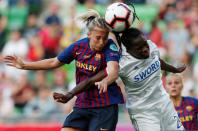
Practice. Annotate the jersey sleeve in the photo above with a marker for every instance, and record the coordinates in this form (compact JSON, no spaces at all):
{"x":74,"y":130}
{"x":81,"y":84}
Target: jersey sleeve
{"x":67,"y":55}
{"x":111,"y":52}
{"x":154,"y":47}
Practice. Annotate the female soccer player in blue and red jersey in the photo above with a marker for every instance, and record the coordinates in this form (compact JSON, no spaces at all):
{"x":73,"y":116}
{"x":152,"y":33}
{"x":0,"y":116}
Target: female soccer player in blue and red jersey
{"x":187,"y":107}
{"x":96,"y":108}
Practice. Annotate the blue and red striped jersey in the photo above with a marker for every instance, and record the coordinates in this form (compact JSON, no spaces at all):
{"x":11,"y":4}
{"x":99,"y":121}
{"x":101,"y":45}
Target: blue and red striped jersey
{"x":89,"y":63}
{"x":188,"y":113}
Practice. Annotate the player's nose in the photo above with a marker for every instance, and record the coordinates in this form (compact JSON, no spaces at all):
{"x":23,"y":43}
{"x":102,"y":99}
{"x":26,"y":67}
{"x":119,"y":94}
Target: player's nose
{"x":145,"y":50}
{"x":102,"y":42}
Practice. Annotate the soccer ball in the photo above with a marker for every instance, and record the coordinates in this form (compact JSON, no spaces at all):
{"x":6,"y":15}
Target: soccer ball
{"x":119,"y":17}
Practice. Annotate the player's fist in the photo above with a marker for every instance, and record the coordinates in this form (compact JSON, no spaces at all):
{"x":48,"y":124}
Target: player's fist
{"x":58,"y":97}
{"x":180,"y":69}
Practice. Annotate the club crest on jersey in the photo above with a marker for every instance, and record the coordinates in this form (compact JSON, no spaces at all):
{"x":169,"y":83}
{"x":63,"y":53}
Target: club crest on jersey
{"x":153,"y":53}
{"x":189,"y":108}
{"x":113,"y":47}
{"x":98,"y":57}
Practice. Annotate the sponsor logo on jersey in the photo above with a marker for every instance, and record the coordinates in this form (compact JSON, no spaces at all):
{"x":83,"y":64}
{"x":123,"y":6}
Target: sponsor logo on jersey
{"x":113,"y":47}
{"x":186,"y":118}
{"x":113,"y":54}
{"x":85,"y":66}
{"x":147,"y":72}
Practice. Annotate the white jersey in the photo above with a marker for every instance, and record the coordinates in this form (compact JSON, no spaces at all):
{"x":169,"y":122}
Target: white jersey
{"x":142,"y":79}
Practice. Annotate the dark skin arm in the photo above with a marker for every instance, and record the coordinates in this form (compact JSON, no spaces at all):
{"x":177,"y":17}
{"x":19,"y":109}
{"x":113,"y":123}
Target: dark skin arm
{"x":81,"y":87}
{"x":86,"y":84}
{"x":167,"y":67}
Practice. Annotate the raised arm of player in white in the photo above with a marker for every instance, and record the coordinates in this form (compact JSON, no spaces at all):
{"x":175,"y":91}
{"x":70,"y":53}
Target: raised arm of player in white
{"x":167,"y":67}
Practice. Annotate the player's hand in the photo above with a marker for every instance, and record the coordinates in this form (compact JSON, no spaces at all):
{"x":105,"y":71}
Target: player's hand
{"x":14,"y":61}
{"x":102,"y":85}
{"x":58,"y":97}
{"x":180,"y":69}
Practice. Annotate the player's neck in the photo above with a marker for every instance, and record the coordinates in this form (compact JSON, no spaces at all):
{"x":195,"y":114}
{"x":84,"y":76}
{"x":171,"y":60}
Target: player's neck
{"x":176,"y":100}
{"x":91,"y":47}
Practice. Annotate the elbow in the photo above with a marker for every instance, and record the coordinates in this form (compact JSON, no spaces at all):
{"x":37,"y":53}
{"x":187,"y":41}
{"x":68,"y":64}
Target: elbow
{"x":90,"y":82}
{"x":113,"y":69}
{"x":54,"y":63}
{"x":114,"y":76}
{"x":115,"y":73}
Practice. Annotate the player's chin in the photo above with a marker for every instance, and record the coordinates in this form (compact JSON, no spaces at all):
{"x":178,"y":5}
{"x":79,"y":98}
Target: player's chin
{"x":99,"y":48}
{"x":174,"y":94}
{"x":145,"y":56}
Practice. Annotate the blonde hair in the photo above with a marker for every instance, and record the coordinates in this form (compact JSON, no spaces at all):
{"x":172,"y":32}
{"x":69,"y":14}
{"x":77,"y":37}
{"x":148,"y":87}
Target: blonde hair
{"x":92,"y":18}
{"x":174,"y":74}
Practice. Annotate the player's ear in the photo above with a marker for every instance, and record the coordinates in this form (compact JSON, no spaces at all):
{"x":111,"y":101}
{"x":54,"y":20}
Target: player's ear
{"x":89,"y":34}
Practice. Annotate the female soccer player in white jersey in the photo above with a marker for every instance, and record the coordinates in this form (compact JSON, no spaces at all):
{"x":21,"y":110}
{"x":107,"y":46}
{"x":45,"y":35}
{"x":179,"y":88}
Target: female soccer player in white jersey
{"x":149,"y":106}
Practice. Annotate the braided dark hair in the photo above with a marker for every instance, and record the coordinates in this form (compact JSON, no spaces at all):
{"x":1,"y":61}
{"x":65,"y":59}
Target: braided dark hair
{"x":129,"y":2}
{"x":117,"y":33}
{"x":129,"y":35}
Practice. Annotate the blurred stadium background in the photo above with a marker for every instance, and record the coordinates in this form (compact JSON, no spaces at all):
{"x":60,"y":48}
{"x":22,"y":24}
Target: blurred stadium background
{"x":37,"y":29}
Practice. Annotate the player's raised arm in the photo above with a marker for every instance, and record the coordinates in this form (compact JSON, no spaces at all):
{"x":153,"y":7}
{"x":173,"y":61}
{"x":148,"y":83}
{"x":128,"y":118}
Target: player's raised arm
{"x":112,"y":69}
{"x":46,"y":64}
{"x":167,"y":67}
{"x":82,"y":86}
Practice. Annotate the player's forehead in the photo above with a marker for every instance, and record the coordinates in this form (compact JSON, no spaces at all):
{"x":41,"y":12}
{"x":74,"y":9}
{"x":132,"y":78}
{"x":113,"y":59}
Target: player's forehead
{"x":173,"y":78}
{"x":98,"y":30}
{"x":139,"y":41}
